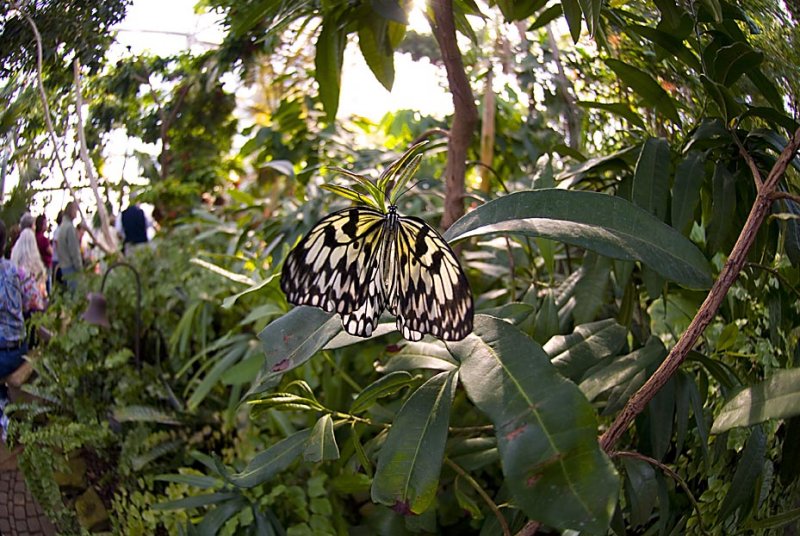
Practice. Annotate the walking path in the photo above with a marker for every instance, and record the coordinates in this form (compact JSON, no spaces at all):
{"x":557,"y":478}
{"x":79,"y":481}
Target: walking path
{"x":20,"y":515}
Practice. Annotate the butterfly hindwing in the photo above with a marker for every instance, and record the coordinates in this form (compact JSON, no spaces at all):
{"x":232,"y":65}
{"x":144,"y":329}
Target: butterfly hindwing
{"x":432,"y":292}
{"x":335,"y":267}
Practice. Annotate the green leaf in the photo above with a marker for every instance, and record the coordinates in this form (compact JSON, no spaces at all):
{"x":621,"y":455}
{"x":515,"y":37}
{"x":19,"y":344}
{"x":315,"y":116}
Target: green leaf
{"x":269,"y":462}
{"x":514,"y":10}
{"x":546,"y":17}
{"x":591,"y":13}
{"x":774,"y":522}
{"x":144,"y":414}
{"x":421,"y":355}
{"x":732,"y":61}
{"x":602,"y":223}
{"x":723,"y":97}
{"x":617,"y":108}
{"x":586,"y":346}
{"x":646,"y":87}
{"x":212,"y":522}
{"x":723,"y":207}
{"x":651,"y":178}
{"x":748,"y":471}
{"x":321,"y":443}
{"x":328,"y":61}
{"x":775,"y":398}
{"x":291,"y":340}
{"x":546,"y":430}
{"x":196,"y":501}
{"x":689,"y":177}
{"x":572,"y":12}
{"x":411,"y":458}
{"x":197,"y":481}
{"x":641,"y":489}
{"x":622,"y":369}
{"x":233,"y":355}
{"x":384,"y":386}
{"x":465,"y":502}
{"x":546,"y":323}
{"x":669,"y":43}
{"x":374,"y":44}
{"x":228,"y":302}
{"x":590,"y":292}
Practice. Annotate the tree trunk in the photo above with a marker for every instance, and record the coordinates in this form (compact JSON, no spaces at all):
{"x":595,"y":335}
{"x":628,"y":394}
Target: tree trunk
{"x":465,"y":115}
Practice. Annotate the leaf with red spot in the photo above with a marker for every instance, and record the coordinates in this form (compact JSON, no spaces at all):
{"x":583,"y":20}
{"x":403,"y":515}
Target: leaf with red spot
{"x":546,"y":429}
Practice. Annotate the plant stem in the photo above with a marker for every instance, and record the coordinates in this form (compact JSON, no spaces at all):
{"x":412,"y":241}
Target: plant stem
{"x":477,"y":487}
{"x":727,"y":277}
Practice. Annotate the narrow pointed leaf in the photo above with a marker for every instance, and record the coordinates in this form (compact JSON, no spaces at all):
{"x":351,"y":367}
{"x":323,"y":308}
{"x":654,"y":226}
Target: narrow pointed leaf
{"x":572,"y":12}
{"x":328,"y":61}
{"x":411,"y":458}
{"x":384,"y":386}
{"x":621,"y":370}
{"x":321,"y":444}
{"x":268,"y":463}
{"x":602,"y":223}
{"x":689,"y":176}
{"x":651,"y":178}
{"x":646,"y":87}
{"x":775,"y":398}
{"x":748,"y":471}
{"x":546,"y":430}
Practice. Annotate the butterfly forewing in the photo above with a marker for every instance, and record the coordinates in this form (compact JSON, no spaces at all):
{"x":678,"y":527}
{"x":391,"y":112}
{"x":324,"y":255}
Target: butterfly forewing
{"x":359,"y":261}
{"x":334,"y":266}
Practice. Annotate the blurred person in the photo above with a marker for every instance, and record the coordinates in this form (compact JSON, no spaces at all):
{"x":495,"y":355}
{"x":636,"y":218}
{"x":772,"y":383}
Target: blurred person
{"x":56,"y":268}
{"x":133,"y":225}
{"x":45,"y":248}
{"x":25,"y":254}
{"x":67,"y":246}
{"x":15,"y":293}
{"x":13,"y":234}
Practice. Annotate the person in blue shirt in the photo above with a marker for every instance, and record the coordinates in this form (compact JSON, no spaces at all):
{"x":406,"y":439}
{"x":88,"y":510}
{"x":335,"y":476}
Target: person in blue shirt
{"x":16,"y":293}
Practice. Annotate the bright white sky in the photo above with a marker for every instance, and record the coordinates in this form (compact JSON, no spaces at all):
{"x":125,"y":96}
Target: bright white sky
{"x":169,"y":26}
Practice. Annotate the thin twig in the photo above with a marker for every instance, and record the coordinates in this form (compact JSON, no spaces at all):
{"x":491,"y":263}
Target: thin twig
{"x":776,"y":273}
{"x":488,"y":500}
{"x":672,"y":474}
{"x":778,"y":194}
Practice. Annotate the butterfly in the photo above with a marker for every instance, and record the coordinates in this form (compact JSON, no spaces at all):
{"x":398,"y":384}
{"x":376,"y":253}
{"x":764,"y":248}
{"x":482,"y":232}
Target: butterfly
{"x":362,"y":260}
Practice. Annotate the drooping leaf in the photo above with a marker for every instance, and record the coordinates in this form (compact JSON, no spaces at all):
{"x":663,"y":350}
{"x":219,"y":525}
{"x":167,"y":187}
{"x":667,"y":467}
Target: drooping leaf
{"x":269,"y":462}
{"x":590,"y":292}
{"x":670,"y":43}
{"x":777,"y":397}
{"x":620,"y":370}
{"x":651,"y":178}
{"x":732,"y":61}
{"x":591,"y":14}
{"x":689,"y":177}
{"x":546,"y":430}
{"x":384,"y":386}
{"x":212,"y":522}
{"x":587,"y":345}
{"x":647,"y":88}
{"x":748,"y":471}
{"x":606,"y":224}
{"x":641,"y":489}
{"x":546,"y":17}
{"x":321,"y":444}
{"x":722,"y":224}
{"x":328,"y":64}
{"x":572,"y":13}
{"x":411,"y":458}
{"x":375,"y":47}
{"x":144,"y":414}
{"x":617,"y":108}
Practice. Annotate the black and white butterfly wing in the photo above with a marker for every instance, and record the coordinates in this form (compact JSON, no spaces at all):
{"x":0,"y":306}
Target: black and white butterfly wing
{"x":430,"y":293}
{"x":336,"y":267}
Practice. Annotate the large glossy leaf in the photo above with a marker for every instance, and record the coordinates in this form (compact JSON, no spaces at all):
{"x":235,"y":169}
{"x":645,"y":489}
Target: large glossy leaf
{"x":572,"y":13}
{"x":620,"y":371}
{"x":606,"y":224}
{"x":546,"y":430}
{"x":646,"y":87}
{"x":651,"y":178}
{"x":670,"y":43}
{"x":383,"y":386}
{"x":411,"y":458}
{"x":374,"y":44}
{"x":269,"y":462}
{"x":748,"y":471}
{"x":588,"y":344}
{"x":722,"y":226}
{"x":775,"y":398}
{"x":732,"y":61}
{"x":291,"y":340}
{"x":321,"y":444}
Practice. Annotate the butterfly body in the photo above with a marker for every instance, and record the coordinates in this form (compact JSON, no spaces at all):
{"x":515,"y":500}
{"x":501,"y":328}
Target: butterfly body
{"x":359,"y":261}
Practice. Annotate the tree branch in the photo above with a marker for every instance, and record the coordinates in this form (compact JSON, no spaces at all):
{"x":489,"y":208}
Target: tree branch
{"x":727,"y":276}
{"x":465,"y":116}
